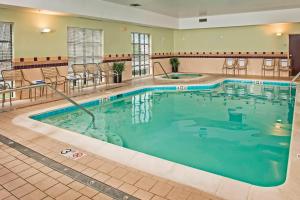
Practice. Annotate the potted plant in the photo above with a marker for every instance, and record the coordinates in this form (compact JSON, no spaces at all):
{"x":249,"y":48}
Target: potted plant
{"x":175,"y":64}
{"x":118,"y":68}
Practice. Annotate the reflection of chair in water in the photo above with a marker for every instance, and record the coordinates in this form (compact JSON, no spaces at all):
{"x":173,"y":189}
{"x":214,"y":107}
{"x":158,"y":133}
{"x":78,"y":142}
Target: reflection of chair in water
{"x":283,"y":93}
{"x":242,"y":90}
{"x":235,"y":115}
{"x":229,"y":89}
{"x":268,"y":91}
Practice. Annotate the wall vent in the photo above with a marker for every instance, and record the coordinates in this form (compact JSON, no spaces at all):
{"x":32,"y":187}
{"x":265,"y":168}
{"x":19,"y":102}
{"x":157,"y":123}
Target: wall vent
{"x":202,"y":20}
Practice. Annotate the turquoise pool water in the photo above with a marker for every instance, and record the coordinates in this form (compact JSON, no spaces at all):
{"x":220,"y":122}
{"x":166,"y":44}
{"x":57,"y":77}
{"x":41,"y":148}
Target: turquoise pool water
{"x":238,"y":130}
{"x":182,"y":76}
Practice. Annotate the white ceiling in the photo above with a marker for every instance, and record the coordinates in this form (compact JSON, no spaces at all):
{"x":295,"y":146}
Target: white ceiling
{"x":196,"y":8}
{"x":175,"y":14}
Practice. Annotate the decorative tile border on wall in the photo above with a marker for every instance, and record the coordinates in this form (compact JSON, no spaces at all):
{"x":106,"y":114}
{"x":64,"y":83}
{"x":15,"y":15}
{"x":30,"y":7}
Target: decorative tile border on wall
{"x":84,"y":179}
{"x":38,"y":62}
{"x":220,"y":55}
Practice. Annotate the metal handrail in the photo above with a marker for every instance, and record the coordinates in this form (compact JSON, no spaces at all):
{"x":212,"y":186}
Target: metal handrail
{"x":42,"y":84}
{"x":75,"y":103}
{"x":160,"y":67}
{"x":294,"y":79}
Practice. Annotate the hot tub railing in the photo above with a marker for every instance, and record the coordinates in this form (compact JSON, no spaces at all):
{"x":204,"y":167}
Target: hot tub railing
{"x":153,"y":67}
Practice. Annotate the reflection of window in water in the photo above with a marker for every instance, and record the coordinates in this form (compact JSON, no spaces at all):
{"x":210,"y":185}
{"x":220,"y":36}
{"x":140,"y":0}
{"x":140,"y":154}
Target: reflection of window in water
{"x":141,"y":108}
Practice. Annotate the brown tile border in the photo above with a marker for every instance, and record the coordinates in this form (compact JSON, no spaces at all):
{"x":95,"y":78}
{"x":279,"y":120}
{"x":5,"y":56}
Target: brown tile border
{"x":68,"y":171}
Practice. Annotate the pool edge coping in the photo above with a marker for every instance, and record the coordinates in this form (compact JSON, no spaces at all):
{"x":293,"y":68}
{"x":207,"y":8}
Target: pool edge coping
{"x":199,"y":179}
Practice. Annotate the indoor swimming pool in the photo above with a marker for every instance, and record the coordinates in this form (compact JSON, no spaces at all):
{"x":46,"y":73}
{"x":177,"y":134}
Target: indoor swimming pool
{"x":237,"y":129}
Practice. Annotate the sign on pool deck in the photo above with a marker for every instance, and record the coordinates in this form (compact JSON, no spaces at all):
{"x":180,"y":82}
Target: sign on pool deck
{"x":72,"y":154}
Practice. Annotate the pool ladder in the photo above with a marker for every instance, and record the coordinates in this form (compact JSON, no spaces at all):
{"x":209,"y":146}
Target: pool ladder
{"x":74,"y":103}
{"x":153,"y":65}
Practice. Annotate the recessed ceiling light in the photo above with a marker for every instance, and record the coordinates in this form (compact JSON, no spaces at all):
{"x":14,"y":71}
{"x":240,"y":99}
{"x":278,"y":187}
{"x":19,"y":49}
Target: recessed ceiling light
{"x":135,"y":5}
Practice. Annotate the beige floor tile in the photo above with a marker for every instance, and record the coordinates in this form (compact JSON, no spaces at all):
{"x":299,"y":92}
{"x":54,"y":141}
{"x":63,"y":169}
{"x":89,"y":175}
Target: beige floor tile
{"x":11,"y":198}
{"x":89,"y":192}
{"x":161,"y":189}
{"x":6,"y":159}
{"x":101,"y":177}
{"x":89,"y":172}
{"x":46,"y":183}
{"x":37,"y":165}
{"x":178,"y":193}
{"x":65,"y":180}
{"x":118,"y":172}
{"x":14,"y":184}
{"x":27,"y":173}
{"x":55,"y":174}
{"x":36,"y":178}
{"x":20,"y":168}
{"x":127,"y":188}
{"x":107,"y":167}
{"x":158,"y":198}
{"x":35,"y":195}
{"x":95,"y":164}
{"x":69,"y":195}
{"x":76,"y":186}
{"x":84,"y":198}
{"x":79,"y":167}
{"x":143,"y":195}
{"x":132,"y":177}
{"x":145,"y":183}
{"x":4,"y":193}
{"x":7,"y":178}
{"x":4,"y":171}
{"x":23,"y":190}
{"x":114,"y":182}
{"x":45,"y":169}
{"x":13,"y":163}
{"x":101,"y":196}
{"x":57,"y":190}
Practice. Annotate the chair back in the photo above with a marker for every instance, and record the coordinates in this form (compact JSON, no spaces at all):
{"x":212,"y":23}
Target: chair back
{"x":12,"y":75}
{"x":242,"y":62}
{"x":104,"y":67}
{"x":230,"y":62}
{"x":49,"y":72}
{"x":92,"y":68}
{"x":78,"y":69}
{"x":284,"y":63}
{"x":269,"y":63}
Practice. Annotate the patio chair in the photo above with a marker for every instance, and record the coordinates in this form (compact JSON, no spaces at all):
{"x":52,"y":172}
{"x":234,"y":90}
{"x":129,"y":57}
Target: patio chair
{"x":268,"y":65}
{"x":2,"y":88}
{"x":79,"y":72}
{"x":51,"y":76}
{"x":242,"y":64}
{"x":93,"y":73}
{"x":284,"y":65}
{"x":229,"y":64}
{"x":14,"y":79}
{"x":106,"y":71}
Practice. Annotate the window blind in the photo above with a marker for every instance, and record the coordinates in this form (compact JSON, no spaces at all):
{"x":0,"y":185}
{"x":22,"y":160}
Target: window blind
{"x":141,"y":54}
{"x":6,"y":48}
{"x":84,"y":46}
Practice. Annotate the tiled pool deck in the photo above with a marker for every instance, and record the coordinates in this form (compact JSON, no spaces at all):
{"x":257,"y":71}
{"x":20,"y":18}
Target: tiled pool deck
{"x":24,"y":177}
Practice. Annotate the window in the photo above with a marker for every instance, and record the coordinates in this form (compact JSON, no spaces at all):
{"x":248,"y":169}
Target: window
{"x":84,"y":46}
{"x":5,"y":46}
{"x":141,"y":54}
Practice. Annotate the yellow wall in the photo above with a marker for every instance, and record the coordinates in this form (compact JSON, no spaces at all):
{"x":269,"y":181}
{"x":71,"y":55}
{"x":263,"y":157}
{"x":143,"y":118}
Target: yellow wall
{"x":29,"y":42}
{"x":246,"y":38}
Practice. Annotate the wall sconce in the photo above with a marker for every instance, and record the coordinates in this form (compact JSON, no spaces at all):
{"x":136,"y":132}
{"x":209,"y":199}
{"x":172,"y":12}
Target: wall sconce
{"x":46,"y":30}
{"x":278,"y":34}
